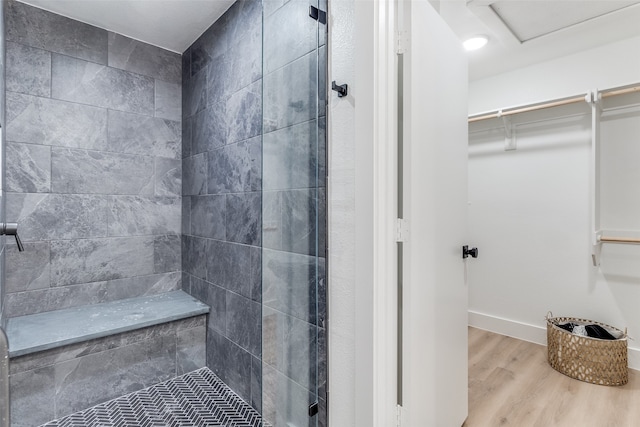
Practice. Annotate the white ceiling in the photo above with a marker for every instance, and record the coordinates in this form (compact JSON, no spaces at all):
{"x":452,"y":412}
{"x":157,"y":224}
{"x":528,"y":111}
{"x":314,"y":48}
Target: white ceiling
{"x":175,"y":24}
{"x":550,"y":29}
{"x":170,"y":24}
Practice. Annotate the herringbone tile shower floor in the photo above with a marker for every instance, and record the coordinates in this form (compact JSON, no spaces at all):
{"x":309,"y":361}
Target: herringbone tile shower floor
{"x":196,"y":399}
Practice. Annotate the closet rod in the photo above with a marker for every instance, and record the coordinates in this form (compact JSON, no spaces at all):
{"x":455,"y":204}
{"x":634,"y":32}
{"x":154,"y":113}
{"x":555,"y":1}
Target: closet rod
{"x":551,"y":104}
{"x":604,"y":239}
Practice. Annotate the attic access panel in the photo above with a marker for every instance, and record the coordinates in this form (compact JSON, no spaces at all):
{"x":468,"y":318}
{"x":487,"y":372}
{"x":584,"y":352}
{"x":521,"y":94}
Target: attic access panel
{"x":530,"y":19}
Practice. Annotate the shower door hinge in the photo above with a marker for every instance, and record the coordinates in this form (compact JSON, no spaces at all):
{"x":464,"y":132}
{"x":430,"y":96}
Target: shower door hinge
{"x":318,"y":15}
{"x":402,"y":230}
{"x":313,"y":409}
{"x":402,"y":42}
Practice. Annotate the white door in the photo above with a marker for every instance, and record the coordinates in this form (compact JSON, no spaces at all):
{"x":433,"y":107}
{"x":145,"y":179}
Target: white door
{"x":435,"y":205}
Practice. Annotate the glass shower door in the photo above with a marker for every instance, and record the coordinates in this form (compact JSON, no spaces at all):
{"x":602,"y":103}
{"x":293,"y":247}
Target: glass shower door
{"x":293,"y":213}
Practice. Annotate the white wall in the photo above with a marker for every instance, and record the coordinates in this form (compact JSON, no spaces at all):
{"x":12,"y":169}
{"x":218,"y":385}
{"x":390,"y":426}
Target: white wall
{"x":612,"y":65}
{"x":530,"y":208}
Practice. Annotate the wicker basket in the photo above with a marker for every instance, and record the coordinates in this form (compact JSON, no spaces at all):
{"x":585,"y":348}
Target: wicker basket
{"x":587,"y":359}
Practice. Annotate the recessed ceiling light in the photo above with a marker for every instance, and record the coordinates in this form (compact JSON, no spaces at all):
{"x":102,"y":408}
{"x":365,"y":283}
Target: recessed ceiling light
{"x":475,"y":42}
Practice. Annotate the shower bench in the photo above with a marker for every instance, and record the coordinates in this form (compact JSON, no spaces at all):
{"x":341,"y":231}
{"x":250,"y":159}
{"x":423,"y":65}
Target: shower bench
{"x":68,"y":360}
{"x":48,"y":330}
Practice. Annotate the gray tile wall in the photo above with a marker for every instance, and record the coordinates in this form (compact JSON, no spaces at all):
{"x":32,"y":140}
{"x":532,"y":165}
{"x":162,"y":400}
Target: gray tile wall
{"x":54,"y":383}
{"x":2,"y":166}
{"x":94,"y":170}
{"x":293,"y":178}
{"x":221,"y":191}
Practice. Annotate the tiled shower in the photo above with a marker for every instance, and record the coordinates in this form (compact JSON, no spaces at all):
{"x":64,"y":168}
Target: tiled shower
{"x":135,"y":171}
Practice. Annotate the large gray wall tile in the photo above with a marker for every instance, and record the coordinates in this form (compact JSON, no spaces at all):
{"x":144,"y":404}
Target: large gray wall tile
{"x":209,"y":129}
{"x":244,"y":218}
{"x":194,"y":175}
{"x":208,"y":216}
{"x":32,"y":397}
{"x":194,"y":256}
{"x":194,"y":92}
{"x":236,"y":167}
{"x":210,"y":45}
{"x":44,"y":216}
{"x":142,"y":58}
{"x":93,"y":379}
{"x":290,"y":157}
{"x":191,"y":349}
{"x":299,"y":102}
{"x":50,"y":122}
{"x":45,"y":30}
{"x":137,"y":215}
{"x":83,"y":171}
{"x":230,"y":362}
{"x":229,"y":265}
{"x":28,"y":70}
{"x":243,"y":322}
{"x":168,"y":177}
{"x":27,"y":270}
{"x":167,"y":253}
{"x":300,"y":38}
{"x":28,"y":168}
{"x":168,"y":100}
{"x":92,"y":260}
{"x":89,"y":83}
{"x":244,"y":113}
{"x":137,"y":134}
{"x":284,"y":401}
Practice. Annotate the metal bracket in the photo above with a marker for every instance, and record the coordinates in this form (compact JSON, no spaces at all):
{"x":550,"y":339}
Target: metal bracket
{"x":509,"y":137}
{"x":342,"y":90}
{"x":313,"y":409}
{"x":318,"y":15}
{"x":11,"y":229}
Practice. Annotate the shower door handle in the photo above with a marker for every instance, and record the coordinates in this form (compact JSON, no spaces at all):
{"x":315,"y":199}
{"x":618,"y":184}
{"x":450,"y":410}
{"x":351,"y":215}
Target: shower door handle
{"x":11,"y":229}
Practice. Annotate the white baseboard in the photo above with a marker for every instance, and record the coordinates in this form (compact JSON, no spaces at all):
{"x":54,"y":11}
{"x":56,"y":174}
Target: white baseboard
{"x":528,"y":332}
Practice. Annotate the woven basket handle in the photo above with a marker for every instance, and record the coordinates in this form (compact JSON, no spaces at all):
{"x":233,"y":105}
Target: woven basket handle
{"x":549,"y":315}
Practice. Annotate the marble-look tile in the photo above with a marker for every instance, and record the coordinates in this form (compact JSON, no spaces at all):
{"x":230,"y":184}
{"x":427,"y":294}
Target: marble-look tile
{"x":62,"y":297}
{"x":50,"y":122}
{"x":299,"y":214}
{"x":186,"y":136}
{"x":244,"y":112}
{"x":44,"y":216}
{"x":145,"y":135}
{"x":194,"y":94}
{"x":32,"y":397}
{"x":230,"y":265}
{"x":289,"y":283}
{"x":45,"y":30}
{"x":194,"y":175}
{"x":290,"y":157}
{"x":256,"y":273}
{"x":322,"y":80}
{"x":191,"y":349}
{"x":242,"y":18}
{"x":220,"y":78}
{"x":186,"y":64}
{"x":27,"y":270}
{"x":230,"y":362}
{"x":186,"y":214}
{"x":210,"y":45}
{"x":246,"y":55}
{"x":236,"y":168}
{"x":194,"y":256}
{"x":244,"y":218}
{"x":270,"y":6}
{"x":243,"y":322}
{"x":299,"y":102}
{"x":28,"y":70}
{"x":256,"y":384}
{"x":272,"y":227}
{"x":168,"y":100}
{"x":167,"y":254}
{"x":209,"y":129}
{"x":136,"y":215}
{"x":283,"y":47}
{"x":322,"y":152}
{"x":92,"y":260}
{"x":96,"y":378}
{"x":89,"y":83}
{"x":83,"y":171}
{"x":284,"y":402}
{"x":168,"y":179}
{"x":208,"y":216}
{"x":142,"y":58}
{"x":215,"y":297}
{"x":28,"y":168}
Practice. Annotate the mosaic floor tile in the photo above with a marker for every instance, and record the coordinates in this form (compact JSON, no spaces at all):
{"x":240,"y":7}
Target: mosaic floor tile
{"x":196,"y":399}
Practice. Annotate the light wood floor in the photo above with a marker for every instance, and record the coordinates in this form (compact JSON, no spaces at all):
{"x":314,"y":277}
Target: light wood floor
{"x":511,"y":384}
